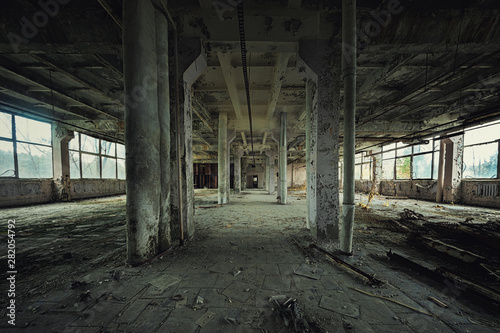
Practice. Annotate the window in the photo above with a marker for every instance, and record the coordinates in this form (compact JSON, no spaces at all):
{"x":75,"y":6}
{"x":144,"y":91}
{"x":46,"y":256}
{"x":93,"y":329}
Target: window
{"x":400,"y":161}
{"x":25,"y":147}
{"x":95,"y":158}
{"x":481,"y":151}
{"x":363,"y":167}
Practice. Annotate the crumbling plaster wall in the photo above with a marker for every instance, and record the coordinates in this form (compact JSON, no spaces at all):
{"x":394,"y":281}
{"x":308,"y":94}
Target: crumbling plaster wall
{"x":472,"y":193}
{"x":20,"y":192}
{"x":415,"y":189}
{"x":298,"y":176}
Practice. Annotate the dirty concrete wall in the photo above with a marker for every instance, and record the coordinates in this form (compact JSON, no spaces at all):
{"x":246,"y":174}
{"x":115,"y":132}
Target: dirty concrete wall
{"x":15,"y":192}
{"x":20,"y":192}
{"x":261,"y":179}
{"x":296,"y":174}
{"x":91,"y":188}
{"x":485,"y":193}
{"x":415,"y":189}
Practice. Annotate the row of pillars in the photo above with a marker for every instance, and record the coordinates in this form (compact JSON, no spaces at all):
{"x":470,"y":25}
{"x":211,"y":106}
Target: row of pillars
{"x":160,"y":191}
{"x":224,"y":143}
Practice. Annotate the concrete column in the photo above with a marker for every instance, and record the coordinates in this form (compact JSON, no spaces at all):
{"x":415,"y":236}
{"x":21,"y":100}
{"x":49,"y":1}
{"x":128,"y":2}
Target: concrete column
{"x":376,"y":170}
{"x":164,"y":237}
{"x":453,"y":168}
{"x":440,"y":180}
{"x":222,"y":175}
{"x":237,"y":170}
{"x":349,"y":74}
{"x":60,"y":163}
{"x":283,"y":159}
{"x":142,"y":130}
{"x":268,"y":174}
{"x":191,"y":64}
{"x":272,"y":155}
{"x":319,"y":62}
{"x":311,"y":132}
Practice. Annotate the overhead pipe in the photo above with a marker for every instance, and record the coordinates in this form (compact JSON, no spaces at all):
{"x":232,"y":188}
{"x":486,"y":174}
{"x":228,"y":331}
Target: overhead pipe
{"x":349,"y":77}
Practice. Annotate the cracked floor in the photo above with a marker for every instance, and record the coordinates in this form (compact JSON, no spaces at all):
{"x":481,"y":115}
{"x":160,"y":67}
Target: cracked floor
{"x":247,"y":259}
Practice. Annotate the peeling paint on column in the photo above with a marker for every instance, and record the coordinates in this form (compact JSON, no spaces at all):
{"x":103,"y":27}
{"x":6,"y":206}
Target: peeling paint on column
{"x":321,"y":63}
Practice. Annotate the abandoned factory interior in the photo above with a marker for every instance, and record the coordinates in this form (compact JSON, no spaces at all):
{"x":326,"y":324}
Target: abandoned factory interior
{"x":265,"y":166}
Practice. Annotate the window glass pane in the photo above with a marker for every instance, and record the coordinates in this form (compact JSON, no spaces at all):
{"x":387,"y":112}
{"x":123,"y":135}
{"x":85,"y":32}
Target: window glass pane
{"x":108,"y":148}
{"x":403,"y":168}
{"x":108,"y":167}
{"x":90,"y":166}
{"x":422,"y":166}
{"x":121,"y":168}
{"x":34,"y":161}
{"x":5,"y":125}
{"x":482,"y":134}
{"x":33,"y":131}
{"x":403,"y":151}
{"x":7,"y":159}
{"x":366,"y":171}
{"x":388,"y":154}
{"x":357,"y":158}
{"x":73,"y":144}
{"x":423,"y":148}
{"x":120,"y":150}
{"x":480,"y":161}
{"x":388,"y":169}
{"x":357,"y":171}
{"x":74,"y":164}
{"x":89,"y":144}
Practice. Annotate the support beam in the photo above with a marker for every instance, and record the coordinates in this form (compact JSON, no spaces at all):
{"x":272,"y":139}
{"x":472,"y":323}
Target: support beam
{"x":73,"y":74}
{"x":164,"y":232}
{"x":225,"y":62}
{"x":271,"y":155}
{"x":244,"y":138}
{"x":279,"y":76}
{"x":114,"y":15}
{"x":222,"y":175}
{"x":283,"y":160}
{"x":39,"y":84}
{"x":349,"y":74}
{"x":141,"y":134}
{"x":237,"y":170}
{"x":264,"y":139}
{"x":311,"y":132}
{"x":60,"y":162}
{"x":320,"y":63}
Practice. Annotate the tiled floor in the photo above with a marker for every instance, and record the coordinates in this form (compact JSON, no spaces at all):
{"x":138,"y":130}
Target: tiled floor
{"x":243,"y":254}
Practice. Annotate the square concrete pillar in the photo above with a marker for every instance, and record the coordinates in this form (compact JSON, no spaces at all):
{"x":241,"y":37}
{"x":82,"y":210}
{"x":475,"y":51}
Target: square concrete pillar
{"x":60,"y":162}
{"x":319,"y":61}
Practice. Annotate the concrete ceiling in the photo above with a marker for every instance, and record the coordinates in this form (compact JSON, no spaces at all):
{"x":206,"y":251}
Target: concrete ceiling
{"x":431,"y":68}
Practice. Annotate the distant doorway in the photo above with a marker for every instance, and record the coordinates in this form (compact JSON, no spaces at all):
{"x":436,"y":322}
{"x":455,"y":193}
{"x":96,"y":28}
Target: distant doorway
{"x":255,"y":181}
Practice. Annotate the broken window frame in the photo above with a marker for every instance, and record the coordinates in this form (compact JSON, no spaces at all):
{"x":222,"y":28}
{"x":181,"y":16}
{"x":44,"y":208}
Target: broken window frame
{"x":114,"y":155}
{"x":15,"y":142}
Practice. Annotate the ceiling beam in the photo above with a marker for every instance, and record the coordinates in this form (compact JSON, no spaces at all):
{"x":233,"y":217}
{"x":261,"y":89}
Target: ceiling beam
{"x":279,"y":76}
{"x":225,"y":62}
{"x":73,"y":75}
{"x":114,"y":15}
{"x":39,"y":84}
{"x":40,"y":99}
{"x":244,"y":138}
